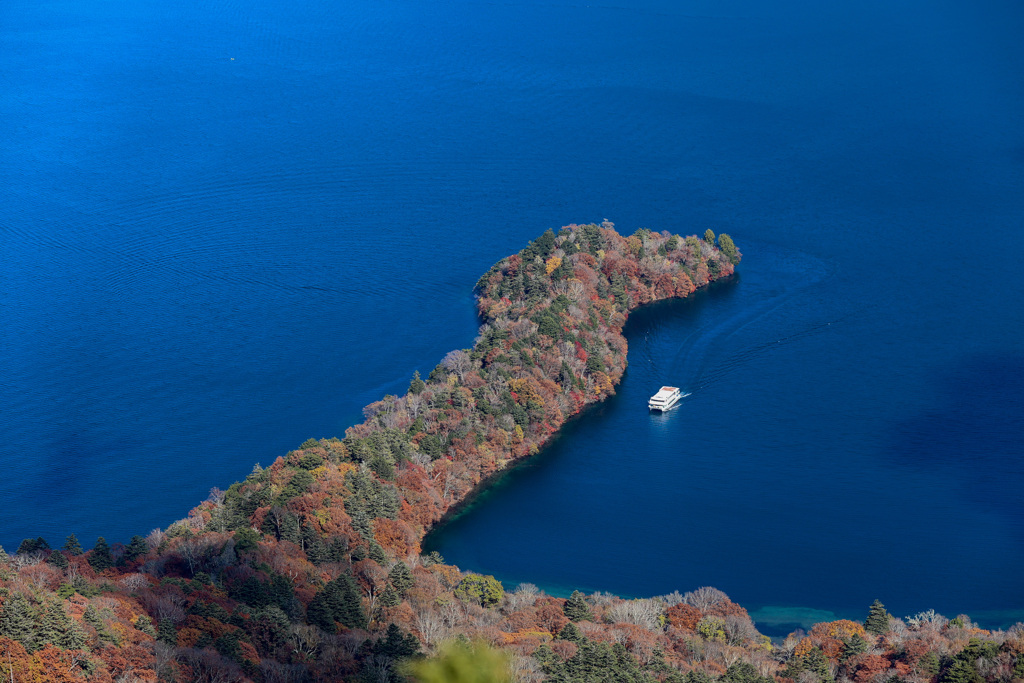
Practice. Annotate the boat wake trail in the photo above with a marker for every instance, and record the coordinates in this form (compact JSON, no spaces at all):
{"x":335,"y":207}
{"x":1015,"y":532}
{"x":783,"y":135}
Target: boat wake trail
{"x":720,"y":370}
{"x":767,"y":310}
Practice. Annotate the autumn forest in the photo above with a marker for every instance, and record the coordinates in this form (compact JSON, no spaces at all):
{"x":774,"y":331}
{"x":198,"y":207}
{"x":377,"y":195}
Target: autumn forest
{"x":311,"y":569}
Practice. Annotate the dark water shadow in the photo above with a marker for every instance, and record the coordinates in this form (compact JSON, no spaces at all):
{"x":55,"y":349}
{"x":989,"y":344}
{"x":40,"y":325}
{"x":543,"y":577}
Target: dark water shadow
{"x":974,"y":435}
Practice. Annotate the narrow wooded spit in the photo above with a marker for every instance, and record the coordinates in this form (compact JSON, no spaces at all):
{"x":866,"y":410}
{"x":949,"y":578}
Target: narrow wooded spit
{"x":312,"y":568}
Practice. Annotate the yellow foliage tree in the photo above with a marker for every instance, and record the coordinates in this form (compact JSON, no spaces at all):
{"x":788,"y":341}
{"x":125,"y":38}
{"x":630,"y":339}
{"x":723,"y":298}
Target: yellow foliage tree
{"x":803,"y":647}
{"x":526,"y":391}
{"x":842,"y":629}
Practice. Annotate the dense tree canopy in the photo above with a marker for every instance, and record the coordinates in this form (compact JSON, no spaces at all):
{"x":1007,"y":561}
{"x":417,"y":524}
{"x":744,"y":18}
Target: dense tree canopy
{"x":311,"y":569}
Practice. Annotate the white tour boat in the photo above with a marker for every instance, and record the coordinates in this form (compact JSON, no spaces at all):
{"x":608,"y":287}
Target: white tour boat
{"x":664,"y":399}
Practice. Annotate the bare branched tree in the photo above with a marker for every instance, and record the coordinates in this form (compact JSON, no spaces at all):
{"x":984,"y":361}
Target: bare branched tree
{"x":208,"y":666}
{"x":523,"y":596}
{"x":452,"y":614}
{"x":705,"y":597}
{"x":644,"y":612}
{"x":134,"y":582}
{"x":155,"y":538}
{"x":459,"y":362}
{"x":672,"y":599}
{"x":525,"y":669}
{"x":276,"y":672}
{"x":414,"y":404}
{"x":305,"y":640}
{"x":431,"y":626}
{"x":22,"y":560}
{"x":739,"y":629}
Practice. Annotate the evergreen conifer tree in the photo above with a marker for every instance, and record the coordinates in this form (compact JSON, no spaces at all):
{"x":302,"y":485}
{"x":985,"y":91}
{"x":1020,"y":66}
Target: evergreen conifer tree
{"x":417,"y":426}
{"x":73,"y":638}
{"x":928,"y":664}
{"x":316,"y":550}
{"x":961,"y":671}
{"x":145,"y":624}
{"x":57,"y":559}
{"x":743,"y":672}
{"x":100,"y":557}
{"x":572,"y":633}
{"x":854,"y":646}
{"x":1018,"y":668}
{"x":17,"y":621}
{"x":320,"y":612}
{"x":92,"y":617}
{"x":401,"y":578}
{"x":576,"y":607}
{"x":396,"y":645}
{"x":72,"y":546}
{"x":137,"y":547}
{"x":698,"y":676}
{"x":878,"y":619}
{"x":290,"y":526}
{"x":57,"y":628}
{"x":545,"y":655}
{"x":816,"y":662}
{"x":377,"y":553}
{"x":417,"y":385}
{"x":389,"y":597}
{"x":728,"y":248}
{"x":339,"y":601}
{"x":618,"y":290}
{"x":432,"y":558}
{"x":167,"y":633}
{"x":247,"y":539}
{"x":53,"y":623}
{"x":30,"y":545}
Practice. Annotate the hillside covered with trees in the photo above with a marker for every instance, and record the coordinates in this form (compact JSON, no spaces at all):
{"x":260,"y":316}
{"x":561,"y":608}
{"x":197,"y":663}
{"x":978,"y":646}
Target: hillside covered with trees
{"x":311,"y":569}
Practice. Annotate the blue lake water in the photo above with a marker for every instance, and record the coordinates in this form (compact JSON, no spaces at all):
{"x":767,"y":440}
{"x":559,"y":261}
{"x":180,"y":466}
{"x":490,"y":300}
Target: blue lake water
{"x":225,"y":228}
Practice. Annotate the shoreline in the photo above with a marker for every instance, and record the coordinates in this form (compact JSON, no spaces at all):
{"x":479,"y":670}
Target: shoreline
{"x":460,"y":507}
{"x":484,"y":485}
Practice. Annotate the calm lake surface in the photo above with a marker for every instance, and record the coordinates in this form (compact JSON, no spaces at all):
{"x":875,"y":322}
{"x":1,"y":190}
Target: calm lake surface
{"x":227,"y":227}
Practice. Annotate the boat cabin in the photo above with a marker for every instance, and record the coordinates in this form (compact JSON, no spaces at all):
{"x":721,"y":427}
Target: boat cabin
{"x":664,"y":399}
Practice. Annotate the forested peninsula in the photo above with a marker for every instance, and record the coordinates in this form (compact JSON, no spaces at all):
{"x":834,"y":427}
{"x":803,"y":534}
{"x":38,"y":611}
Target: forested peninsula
{"x":311,"y":569}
